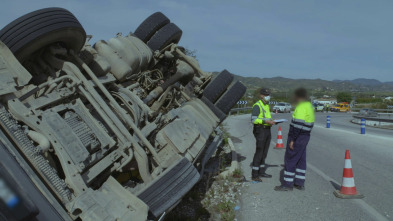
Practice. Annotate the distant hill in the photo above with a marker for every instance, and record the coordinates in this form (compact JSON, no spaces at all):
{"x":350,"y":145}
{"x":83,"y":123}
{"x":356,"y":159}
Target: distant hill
{"x":288,"y":84}
{"x":389,"y":82}
{"x":363,"y":81}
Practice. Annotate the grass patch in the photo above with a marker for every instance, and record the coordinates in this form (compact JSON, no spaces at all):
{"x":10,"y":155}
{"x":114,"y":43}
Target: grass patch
{"x":225,"y":134}
{"x":238,"y":173}
{"x":225,"y":209}
{"x":223,"y":161}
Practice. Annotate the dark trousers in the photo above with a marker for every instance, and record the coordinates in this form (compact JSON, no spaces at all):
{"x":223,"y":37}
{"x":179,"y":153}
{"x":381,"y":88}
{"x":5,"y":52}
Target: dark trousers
{"x":295,"y":163}
{"x":263,"y":137}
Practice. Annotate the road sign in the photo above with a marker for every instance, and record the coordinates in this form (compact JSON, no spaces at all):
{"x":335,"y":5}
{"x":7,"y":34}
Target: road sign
{"x":242,"y":102}
{"x":273,"y":102}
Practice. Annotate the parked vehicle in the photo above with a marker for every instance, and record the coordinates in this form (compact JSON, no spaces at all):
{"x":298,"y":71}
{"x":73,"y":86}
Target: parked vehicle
{"x":334,"y":108}
{"x":319,"y":107}
{"x":114,"y":130}
{"x":282,"y":107}
{"x":368,"y":112}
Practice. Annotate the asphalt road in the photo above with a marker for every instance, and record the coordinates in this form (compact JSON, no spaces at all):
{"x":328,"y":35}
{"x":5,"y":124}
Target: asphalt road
{"x":372,"y":161}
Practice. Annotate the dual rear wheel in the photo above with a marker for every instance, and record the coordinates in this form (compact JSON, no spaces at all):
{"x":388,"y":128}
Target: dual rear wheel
{"x":220,"y":95}
{"x":158,"y":32}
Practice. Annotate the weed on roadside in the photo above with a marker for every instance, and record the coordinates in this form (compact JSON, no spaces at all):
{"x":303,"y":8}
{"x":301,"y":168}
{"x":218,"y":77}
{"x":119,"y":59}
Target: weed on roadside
{"x":238,"y":173}
{"x":225,"y":209}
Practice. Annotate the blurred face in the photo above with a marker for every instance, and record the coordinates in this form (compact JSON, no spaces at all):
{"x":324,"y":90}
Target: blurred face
{"x":297,"y":99}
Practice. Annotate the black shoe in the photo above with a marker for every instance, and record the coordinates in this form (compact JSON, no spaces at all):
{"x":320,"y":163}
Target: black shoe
{"x":257,"y":179}
{"x":283,"y":188}
{"x":265,"y":175}
{"x":299,"y":187}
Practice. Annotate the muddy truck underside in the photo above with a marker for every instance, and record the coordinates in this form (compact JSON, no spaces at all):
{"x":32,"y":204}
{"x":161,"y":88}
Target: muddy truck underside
{"x":112,"y":130}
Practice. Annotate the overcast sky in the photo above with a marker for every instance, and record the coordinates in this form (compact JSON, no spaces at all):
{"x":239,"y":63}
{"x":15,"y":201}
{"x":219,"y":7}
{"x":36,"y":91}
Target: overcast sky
{"x":296,"y":39}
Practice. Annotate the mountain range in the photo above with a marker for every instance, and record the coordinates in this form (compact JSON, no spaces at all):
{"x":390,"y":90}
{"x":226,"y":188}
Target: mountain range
{"x":283,"y":84}
{"x":366,"y":82}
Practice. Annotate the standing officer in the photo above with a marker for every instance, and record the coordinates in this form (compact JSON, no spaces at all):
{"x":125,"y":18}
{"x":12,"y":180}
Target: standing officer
{"x":299,"y":134}
{"x":262,"y":121}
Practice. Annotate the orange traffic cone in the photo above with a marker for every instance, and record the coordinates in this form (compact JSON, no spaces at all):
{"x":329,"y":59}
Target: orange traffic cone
{"x":279,"y":144}
{"x":348,"y":188}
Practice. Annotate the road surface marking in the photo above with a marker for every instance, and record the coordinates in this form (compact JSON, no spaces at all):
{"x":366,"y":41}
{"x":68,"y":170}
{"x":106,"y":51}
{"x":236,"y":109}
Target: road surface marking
{"x":369,"y":209}
{"x":353,"y":132}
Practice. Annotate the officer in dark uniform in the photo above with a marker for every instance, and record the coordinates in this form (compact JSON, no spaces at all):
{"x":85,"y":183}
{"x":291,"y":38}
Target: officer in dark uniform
{"x":299,"y":134}
{"x":262,"y":121}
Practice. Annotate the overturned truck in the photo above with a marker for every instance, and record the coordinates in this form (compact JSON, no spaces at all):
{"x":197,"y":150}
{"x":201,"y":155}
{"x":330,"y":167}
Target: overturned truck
{"x":113,"y":130}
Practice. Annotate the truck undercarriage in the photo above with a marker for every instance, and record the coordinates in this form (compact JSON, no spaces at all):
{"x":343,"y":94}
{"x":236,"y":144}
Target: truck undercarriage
{"x":114,"y":130}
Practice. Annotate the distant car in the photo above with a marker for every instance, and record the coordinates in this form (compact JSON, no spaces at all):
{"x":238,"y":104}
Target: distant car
{"x":340,"y":107}
{"x":319,"y":107}
{"x":282,"y":107}
{"x":334,"y":108}
{"x":368,"y":112}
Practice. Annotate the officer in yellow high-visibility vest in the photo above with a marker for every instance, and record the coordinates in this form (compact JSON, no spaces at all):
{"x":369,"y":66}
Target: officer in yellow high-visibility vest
{"x":262,"y":121}
{"x":298,"y":137}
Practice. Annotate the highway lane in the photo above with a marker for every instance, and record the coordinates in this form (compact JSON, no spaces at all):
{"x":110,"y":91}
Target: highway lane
{"x":342,"y":121}
{"x":372,"y":160}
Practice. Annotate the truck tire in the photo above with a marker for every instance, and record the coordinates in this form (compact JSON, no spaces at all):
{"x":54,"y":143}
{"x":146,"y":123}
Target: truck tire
{"x":218,"y":85}
{"x":150,"y":26}
{"x":168,"y":34}
{"x":170,"y":187}
{"x":40,"y":28}
{"x":229,"y":99}
{"x":220,"y":115}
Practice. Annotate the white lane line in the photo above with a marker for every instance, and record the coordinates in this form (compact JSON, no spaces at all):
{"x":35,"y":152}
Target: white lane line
{"x":366,"y":207}
{"x":355,"y":133}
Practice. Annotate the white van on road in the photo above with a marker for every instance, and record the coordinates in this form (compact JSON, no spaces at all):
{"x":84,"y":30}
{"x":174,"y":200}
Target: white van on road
{"x":282,"y":107}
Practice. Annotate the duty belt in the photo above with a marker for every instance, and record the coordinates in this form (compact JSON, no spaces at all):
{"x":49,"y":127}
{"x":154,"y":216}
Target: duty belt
{"x":262,"y":126}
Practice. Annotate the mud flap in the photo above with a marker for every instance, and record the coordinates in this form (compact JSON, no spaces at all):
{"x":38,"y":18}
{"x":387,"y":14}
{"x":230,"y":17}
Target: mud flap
{"x":170,"y":187}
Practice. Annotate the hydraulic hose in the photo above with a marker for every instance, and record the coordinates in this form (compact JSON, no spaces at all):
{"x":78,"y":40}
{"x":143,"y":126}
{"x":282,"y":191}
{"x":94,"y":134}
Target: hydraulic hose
{"x":184,"y":74}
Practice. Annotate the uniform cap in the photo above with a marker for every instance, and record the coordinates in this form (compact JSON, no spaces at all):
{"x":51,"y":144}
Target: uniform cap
{"x":265,"y":91}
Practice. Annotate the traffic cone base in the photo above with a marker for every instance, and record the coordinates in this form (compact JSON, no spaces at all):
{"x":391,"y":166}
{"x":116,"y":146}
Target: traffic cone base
{"x":338,"y":194}
{"x":348,"y":188}
{"x":279,"y":144}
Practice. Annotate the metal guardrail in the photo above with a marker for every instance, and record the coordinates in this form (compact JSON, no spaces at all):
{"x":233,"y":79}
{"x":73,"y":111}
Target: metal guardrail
{"x":239,"y":110}
{"x":386,"y":113}
{"x":388,"y":119}
{"x":377,"y":110}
